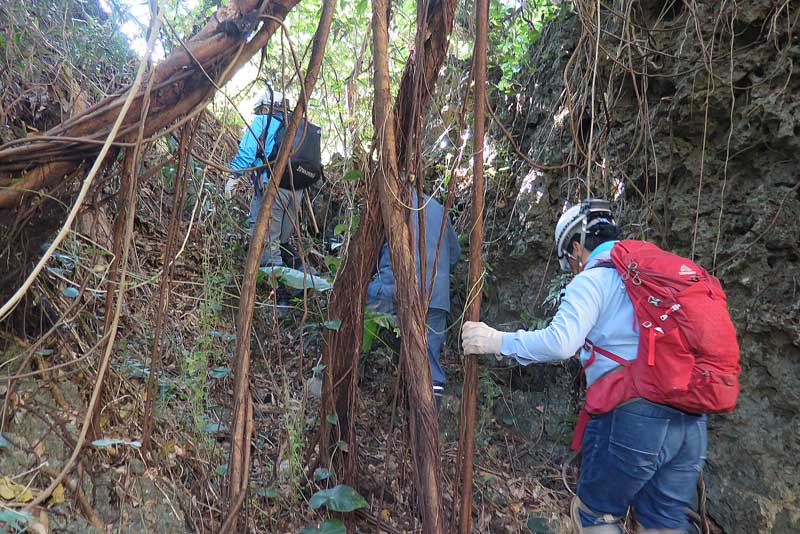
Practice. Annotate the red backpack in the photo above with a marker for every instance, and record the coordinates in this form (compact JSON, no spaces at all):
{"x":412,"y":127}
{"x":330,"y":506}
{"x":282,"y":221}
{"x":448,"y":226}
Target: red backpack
{"x":688,"y":356}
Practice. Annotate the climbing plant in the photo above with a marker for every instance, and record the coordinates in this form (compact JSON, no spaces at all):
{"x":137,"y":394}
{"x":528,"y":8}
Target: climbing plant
{"x":514,"y":27}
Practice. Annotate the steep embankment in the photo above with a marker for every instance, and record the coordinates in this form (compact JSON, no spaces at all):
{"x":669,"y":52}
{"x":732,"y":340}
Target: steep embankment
{"x":697,"y":117}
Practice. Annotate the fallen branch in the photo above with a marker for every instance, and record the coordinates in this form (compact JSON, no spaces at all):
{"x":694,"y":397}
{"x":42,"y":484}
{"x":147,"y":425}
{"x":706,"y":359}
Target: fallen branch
{"x":182,"y":82}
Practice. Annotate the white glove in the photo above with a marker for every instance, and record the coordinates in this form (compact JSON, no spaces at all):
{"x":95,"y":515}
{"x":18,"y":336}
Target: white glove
{"x":231,"y":185}
{"x":480,"y":338}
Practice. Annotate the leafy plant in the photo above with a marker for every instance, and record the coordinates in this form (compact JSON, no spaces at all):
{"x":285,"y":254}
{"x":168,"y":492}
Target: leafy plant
{"x":294,"y":425}
{"x":555,"y":289}
{"x":330,"y":526}
{"x":374,"y":321}
{"x":489,"y":393}
{"x":514,"y":27}
{"x":341,"y":498}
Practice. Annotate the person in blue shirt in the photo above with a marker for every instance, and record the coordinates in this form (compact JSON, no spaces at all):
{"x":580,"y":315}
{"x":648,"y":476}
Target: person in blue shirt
{"x":640,"y":455}
{"x":287,"y":203}
{"x":381,"y":290}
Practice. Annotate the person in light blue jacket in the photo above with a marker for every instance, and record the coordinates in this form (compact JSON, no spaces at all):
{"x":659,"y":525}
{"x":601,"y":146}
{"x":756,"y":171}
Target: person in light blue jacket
{"x":640,"y":455}
{"x":287,"y":203}
{"x":381,"y":291}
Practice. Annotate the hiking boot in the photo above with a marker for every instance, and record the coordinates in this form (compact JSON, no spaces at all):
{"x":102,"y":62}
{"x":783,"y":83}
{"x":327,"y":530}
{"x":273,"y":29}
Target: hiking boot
{"x":609,"y":526}
{"x":438,"y":391}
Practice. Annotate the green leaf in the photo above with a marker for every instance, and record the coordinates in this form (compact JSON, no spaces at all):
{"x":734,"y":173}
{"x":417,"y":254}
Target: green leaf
{"x":352,"y":176}
{"x":330,"y":526}
{"x":219,"y":372}
{"x":342,"y":445}
{"x":222,"y":470}
{"x":269,"y":493}
{"x":341,"y":498}
{"x":70,"y":292}
{"x":320,"y":473}
{"x":369,"y":335}
{"x":332,"y":262}
{"x":297,"y":279}
{"x":18,"y":521}
{"x":3,"y":442}
{"x":44,"y":352}
{"x":317,"y":369}
{"x":333,"y":324}
{"x":116,"y":441}
{"x":373,"y":321}
{"x":332,"y":419}
{"x":340,"y":228}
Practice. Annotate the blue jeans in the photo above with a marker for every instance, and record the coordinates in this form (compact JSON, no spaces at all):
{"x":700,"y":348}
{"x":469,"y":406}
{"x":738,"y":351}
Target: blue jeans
{"x":646,"y":456}
{"x":437,"y":325}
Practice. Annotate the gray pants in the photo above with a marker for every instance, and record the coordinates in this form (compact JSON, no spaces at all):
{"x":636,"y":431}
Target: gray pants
{"x":284,"y":217}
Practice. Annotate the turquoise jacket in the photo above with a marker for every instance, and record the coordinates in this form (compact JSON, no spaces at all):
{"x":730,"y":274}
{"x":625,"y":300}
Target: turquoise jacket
{"x":248,"y":146}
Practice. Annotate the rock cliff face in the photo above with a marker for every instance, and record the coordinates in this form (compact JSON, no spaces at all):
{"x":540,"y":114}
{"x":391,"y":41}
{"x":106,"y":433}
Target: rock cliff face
{"x":696,"y":134}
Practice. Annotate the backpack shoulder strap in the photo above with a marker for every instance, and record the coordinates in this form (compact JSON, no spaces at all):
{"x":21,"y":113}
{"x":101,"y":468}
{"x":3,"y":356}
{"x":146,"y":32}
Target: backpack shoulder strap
{"x":262,"y":140}
{"x":277,"y":141}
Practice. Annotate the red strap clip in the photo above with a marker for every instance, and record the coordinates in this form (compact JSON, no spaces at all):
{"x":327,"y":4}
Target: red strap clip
{"x":651,"y":346}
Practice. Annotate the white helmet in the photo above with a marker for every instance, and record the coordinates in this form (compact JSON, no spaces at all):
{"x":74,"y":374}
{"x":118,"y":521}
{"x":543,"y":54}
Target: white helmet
{"x":576,"y":220}
{"x":270,"y":98}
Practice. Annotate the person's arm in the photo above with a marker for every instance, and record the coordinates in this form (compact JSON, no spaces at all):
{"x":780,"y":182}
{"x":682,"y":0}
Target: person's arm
{"x":576,"y":316}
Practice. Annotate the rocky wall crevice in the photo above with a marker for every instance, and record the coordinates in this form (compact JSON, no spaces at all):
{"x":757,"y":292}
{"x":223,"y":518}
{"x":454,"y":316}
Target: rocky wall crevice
{"x":697,"y":116}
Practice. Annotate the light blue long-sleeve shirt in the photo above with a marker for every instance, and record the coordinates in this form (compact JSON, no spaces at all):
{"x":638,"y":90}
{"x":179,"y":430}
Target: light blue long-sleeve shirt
{"x":248,"y":146}
{"x":381,"y":291}
{"x":595,"y":306}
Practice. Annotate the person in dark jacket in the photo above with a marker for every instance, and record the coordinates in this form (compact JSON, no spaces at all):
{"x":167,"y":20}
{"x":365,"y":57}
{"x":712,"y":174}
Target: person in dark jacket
{"x":381,"y":291}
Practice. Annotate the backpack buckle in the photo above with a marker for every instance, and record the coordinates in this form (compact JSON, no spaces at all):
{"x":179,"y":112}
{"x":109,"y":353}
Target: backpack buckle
{"x":632,"y":274}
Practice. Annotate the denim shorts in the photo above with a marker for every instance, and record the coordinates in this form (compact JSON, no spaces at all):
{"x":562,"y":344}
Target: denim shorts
{"x":646,"y":456}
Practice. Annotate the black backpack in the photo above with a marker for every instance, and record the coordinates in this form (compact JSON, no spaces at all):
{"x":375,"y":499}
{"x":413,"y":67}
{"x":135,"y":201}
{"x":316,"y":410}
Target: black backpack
{"x":305,"y":162}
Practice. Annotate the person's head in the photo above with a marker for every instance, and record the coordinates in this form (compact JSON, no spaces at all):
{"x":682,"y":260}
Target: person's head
{"x":270,"y":99}
{"x":580,"y":230}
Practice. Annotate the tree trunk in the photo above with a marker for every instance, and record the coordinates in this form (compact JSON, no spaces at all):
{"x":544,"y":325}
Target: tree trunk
{"x":466,"y":442}
{"x":343,"y":347}
{"x":411,"y":317}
